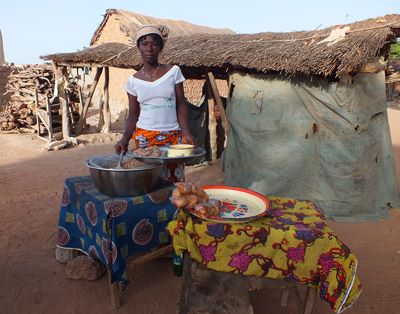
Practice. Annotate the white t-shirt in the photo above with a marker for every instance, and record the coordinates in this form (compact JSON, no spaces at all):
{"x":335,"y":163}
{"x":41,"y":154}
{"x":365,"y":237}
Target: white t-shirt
{"x":157,"y":100}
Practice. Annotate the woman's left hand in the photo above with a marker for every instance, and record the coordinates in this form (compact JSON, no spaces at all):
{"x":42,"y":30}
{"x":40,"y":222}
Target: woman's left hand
{"x":186,"y":137}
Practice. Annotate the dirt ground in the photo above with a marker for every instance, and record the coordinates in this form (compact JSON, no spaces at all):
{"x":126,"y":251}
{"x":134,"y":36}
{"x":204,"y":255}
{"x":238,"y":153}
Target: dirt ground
{"x":32,"y":281}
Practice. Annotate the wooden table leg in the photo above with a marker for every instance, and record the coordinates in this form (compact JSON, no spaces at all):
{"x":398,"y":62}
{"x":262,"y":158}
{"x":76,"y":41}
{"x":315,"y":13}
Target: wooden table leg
{"x":114,"y":293}
{"x":310,"y":300}
{"x":206,"y":291}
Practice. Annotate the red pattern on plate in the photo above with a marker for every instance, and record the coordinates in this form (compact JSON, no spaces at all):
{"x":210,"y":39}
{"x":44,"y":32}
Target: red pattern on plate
{"x":232,"y":210}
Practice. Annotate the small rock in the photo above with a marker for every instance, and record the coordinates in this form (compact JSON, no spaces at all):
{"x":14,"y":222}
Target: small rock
{"x":84,"y":267}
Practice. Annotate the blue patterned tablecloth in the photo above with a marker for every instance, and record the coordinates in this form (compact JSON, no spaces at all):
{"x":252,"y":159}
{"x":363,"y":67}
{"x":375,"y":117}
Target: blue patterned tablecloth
{"x":112,"y":228}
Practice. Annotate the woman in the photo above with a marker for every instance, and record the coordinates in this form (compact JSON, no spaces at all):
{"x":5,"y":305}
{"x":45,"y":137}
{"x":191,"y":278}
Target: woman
{"x":157,"y":112}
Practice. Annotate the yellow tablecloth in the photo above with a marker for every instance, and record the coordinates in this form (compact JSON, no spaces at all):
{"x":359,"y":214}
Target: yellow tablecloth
{"x":292,"y":242}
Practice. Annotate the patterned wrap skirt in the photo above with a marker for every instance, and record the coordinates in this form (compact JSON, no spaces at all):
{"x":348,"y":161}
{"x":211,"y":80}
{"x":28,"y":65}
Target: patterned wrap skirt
{"x":145,"y":138}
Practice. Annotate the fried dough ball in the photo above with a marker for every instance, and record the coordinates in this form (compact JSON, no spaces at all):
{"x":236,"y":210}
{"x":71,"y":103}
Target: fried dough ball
{"x":214,"y":207}
{"x":180,"y":201}
{"x":176,"y":193}
{"x":201,"y":209}
{"x":203,"y":195}
{"x":192,"y":199}
{"x":183,"y":187}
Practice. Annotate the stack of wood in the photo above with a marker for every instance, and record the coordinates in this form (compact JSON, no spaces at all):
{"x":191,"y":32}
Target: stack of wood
{"x":22,"y":85}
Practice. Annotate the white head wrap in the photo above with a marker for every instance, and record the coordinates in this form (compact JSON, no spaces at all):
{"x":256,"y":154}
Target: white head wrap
{"x":158,"y":29}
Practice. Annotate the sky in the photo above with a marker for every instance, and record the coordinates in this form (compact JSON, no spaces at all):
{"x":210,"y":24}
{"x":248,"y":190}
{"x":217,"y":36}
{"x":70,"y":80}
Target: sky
{"x":31,"y":28}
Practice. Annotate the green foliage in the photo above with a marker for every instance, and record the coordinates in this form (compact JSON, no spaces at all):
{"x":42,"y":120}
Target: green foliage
{"x":395,"y":51}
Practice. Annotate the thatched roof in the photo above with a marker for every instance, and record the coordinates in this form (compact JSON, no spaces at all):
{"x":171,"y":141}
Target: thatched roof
{"x":130,"y":22}
{"x":287,"y":53}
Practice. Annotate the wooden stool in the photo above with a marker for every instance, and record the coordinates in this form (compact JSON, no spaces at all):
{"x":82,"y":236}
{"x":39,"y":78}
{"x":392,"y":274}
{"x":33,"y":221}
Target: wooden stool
{"x":64,"y":255}
{"x":208,"y":291}
{"x":136,"y":262}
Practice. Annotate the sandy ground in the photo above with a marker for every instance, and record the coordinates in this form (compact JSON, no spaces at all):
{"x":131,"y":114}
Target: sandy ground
{"x":32,"y":281}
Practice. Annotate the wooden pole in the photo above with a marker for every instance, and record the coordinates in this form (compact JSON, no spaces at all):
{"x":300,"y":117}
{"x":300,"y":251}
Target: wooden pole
{"x":50,"y":126}
{"x":219,"y":102}
{"x":212,"y":122}
{"x":106,"y":105}
{"x":36,"y":99}
{"x":101,"y":117}
{"x":61,"y":75}
{"x":82,"y":118}
{"x":114,"y":293}
{"x":80,"y":100}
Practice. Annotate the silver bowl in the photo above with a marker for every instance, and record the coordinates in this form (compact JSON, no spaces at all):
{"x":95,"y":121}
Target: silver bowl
{"x":117,"y":182}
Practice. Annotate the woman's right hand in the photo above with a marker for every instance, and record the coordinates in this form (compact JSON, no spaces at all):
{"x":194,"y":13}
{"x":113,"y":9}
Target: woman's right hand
{"x":121,"y":146}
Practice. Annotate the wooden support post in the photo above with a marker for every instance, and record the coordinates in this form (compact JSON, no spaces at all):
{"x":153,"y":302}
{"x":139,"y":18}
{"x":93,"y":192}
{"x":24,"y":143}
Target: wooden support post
{"x":36,"y":99}
{"x":82,"y":118}
{"x":80,"y":100}
{"x":101,"y":117}
{"x":106,"y":105}
{"x":61,"y":81}
{"x":218,"y":100}
{"x":212,"y":122}
{"x":50,"y":126}
{"x":70,"y":110}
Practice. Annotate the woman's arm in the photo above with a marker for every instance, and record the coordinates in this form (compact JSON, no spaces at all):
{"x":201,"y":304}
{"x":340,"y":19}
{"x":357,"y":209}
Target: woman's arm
{"x":181,"y":112}
{"x":130,"y":124}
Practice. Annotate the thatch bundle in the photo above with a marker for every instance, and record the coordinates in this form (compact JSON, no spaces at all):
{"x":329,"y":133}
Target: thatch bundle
{"x":286,"y":53}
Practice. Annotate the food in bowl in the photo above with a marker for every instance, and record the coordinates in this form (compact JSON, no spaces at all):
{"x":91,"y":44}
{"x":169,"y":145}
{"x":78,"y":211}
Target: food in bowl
{"x":123,"y":182}
{"x":126,"y":164}
{"x":180,"y":150}
{"x":151,"y":151}
{"x":132,"y":163}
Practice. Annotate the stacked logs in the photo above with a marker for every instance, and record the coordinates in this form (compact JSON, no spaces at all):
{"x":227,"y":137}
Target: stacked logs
{"x":22,"y":84}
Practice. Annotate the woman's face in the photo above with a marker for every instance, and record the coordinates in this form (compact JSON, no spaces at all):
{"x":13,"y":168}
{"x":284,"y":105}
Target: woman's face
{"x":149,"y":48}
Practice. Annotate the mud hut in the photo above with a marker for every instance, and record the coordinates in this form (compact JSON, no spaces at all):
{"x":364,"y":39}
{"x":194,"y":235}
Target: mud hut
{"x":2,"y":60}
{"x":121,"y":26}
{"x":307,"y":110}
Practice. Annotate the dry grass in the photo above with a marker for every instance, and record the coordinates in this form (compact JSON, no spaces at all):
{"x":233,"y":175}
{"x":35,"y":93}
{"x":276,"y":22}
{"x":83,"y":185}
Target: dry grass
{"x":286,"y":53}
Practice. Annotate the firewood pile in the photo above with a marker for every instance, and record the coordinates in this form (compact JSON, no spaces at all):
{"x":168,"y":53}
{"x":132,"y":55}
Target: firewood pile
{"x":22,"y":83}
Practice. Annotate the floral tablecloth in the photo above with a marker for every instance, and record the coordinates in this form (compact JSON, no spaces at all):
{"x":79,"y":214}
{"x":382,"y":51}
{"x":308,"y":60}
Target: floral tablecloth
{"x":112,"y":228}
{"x":292,"y":242}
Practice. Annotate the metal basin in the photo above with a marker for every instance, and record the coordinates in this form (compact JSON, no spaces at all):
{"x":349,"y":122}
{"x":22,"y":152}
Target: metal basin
{"x":123,"y":182}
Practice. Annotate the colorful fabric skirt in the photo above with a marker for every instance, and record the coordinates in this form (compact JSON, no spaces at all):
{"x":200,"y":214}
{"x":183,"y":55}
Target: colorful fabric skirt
{"x":144,"y":138}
